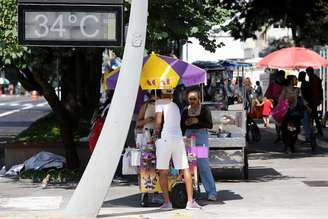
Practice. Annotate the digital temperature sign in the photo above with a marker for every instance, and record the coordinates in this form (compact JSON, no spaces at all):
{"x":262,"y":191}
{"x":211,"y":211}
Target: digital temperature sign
{"x":70,"y":25}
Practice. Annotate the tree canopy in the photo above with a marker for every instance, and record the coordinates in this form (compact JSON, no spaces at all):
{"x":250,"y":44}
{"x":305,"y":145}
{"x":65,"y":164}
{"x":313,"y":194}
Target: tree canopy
{"x":171,"y":23}
{"x":308,"y":19}
{"x":10,"y":52}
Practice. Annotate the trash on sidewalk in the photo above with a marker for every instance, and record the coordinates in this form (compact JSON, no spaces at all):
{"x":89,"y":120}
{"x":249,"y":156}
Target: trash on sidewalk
{"x":15,"y":170}
{"x":44,"y":160}
{"x":3,"y":171}
{"x":45,"y":182}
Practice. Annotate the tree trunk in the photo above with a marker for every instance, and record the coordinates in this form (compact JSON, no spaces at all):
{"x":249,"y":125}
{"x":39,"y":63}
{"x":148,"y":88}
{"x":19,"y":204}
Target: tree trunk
{"x":66,"y":123}
{"x":88,"y":74}
{"x":80,"y":74}
{"x":61,"y":114}
{"x":296,"y":38}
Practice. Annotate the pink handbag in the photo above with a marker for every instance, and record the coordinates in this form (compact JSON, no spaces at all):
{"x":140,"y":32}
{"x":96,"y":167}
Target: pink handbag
{"x":199,"y":152}
{"x":279,"y":112}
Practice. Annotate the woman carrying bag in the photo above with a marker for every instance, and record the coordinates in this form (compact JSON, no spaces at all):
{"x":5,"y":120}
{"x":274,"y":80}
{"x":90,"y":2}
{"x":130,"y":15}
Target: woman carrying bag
{"x":291,"y":123}
{"x":146,"y":117}
{"x":195,"y":121}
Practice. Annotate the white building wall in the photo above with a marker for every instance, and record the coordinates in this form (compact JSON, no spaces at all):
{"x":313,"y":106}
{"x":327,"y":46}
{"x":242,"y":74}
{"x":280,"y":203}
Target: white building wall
{"x":277,"y":33}
{"x":233,"y":49}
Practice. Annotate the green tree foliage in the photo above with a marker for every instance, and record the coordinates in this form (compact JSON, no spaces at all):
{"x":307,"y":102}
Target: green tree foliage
{"x":10,"y":52}
{"x":172,"y":22}
{"x":308,"y":19}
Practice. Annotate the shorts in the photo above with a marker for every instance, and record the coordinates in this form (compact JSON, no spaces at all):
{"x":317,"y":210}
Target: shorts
{"x":171,"y":147}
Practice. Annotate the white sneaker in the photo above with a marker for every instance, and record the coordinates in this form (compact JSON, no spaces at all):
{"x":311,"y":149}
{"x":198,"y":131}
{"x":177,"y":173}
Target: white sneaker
{"x":193,"y":205}
{"x":166,"y":206}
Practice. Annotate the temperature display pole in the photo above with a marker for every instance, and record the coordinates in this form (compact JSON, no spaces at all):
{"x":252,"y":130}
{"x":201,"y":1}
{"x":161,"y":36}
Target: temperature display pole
{"x":70,"y":25}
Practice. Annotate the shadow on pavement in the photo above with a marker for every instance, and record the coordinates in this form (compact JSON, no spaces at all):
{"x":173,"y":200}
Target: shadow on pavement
{"x":126,"y":201}
{"x":262,"y":174}
{"x":266,"y":148}
{"x":256,"y":174}
{"x":134,"y":200}
{"x":222,"y":197}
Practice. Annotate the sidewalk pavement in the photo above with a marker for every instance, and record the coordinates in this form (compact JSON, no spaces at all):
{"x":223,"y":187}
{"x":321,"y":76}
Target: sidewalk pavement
{"x":280,"y":186}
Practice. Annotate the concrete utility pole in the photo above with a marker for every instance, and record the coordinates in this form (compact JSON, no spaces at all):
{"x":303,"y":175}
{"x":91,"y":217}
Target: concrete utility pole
{"x":93,"y":187}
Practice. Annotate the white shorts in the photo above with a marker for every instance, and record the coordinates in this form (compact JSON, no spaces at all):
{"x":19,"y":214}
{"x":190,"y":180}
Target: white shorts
{"x":171,"y":147}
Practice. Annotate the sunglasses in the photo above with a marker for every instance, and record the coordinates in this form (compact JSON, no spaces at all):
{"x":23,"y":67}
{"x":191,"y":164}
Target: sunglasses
{"x":192,"y":98}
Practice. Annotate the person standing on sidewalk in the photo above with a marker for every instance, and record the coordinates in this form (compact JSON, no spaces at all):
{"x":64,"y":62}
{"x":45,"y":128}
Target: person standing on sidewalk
{"x":195,"y":121}
{"x":258,"y":90}
{"x":171,"y":145}
{"x":306,"y":93}
{"x":273,"y":92}
{"x":290,"y":126}
{"x":316,"y":96}
{"x":146,"y":116}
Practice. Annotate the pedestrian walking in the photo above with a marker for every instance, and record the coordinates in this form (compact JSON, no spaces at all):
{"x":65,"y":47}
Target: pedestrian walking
{"x":171,"y":145}
{"x":195,"y":121}
{"x":316,"y":92}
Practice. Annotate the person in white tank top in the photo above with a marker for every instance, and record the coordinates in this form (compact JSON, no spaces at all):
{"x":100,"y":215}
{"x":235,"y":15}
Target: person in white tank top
{"x":171,"y":145}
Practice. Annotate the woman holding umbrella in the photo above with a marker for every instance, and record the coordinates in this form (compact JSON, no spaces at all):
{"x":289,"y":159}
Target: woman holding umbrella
{"x":195,"y":121}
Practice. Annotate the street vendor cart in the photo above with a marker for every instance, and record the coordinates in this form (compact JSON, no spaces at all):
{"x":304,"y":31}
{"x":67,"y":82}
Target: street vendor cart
{"x":149,"y":178}
{"x":224,"y":95}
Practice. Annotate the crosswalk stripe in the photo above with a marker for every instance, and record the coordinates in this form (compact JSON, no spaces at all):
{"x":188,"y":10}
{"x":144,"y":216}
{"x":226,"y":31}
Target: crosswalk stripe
{"x":10,"y":112}
{"x":42,"y":104}
{"x":25,"y":107}
{"x":28,"y":104}
{"x":14,"y":104}
{"x":25,"y":104}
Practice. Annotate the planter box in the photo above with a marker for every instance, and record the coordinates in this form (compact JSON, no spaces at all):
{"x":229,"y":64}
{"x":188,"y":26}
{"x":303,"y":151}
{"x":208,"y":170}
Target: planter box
{"x":16,"y":153}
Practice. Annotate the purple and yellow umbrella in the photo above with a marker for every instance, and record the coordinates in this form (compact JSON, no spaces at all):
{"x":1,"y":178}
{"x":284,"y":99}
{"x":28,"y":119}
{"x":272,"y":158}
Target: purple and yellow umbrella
{"x":162,"y":72}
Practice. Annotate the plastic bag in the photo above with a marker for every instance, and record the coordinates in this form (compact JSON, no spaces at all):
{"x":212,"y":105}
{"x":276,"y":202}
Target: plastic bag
{"x":95,"y":132}
{"x":44,"y":160}
{"x":135,"y":156}
{"x":279,"y":112}
{"x":127,"y":168}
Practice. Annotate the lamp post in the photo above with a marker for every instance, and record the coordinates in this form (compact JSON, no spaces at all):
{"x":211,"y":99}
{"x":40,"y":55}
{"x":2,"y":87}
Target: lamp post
{"x":95,"y":182}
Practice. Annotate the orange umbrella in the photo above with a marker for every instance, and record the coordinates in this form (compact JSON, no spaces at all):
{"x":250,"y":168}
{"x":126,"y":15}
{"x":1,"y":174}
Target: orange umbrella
{"x":293,"y":58}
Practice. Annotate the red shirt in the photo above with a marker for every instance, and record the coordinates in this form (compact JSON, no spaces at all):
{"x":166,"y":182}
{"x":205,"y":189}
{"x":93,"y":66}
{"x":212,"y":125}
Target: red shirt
{"x":267,"y":108}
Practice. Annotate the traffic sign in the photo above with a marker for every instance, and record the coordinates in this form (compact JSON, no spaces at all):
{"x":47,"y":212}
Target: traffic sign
{"x":70,"y":25}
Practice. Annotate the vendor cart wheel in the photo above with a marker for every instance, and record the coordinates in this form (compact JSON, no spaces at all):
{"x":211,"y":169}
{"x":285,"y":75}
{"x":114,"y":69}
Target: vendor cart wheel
{"x":179,"y":195}
{"x":245,"y":167}
{"x":144,"y":200}
{"x":196,"y":194}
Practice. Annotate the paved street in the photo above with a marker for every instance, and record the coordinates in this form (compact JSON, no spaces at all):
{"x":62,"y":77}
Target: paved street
{"x":16,"y":114}
{"x":280,"y":186}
